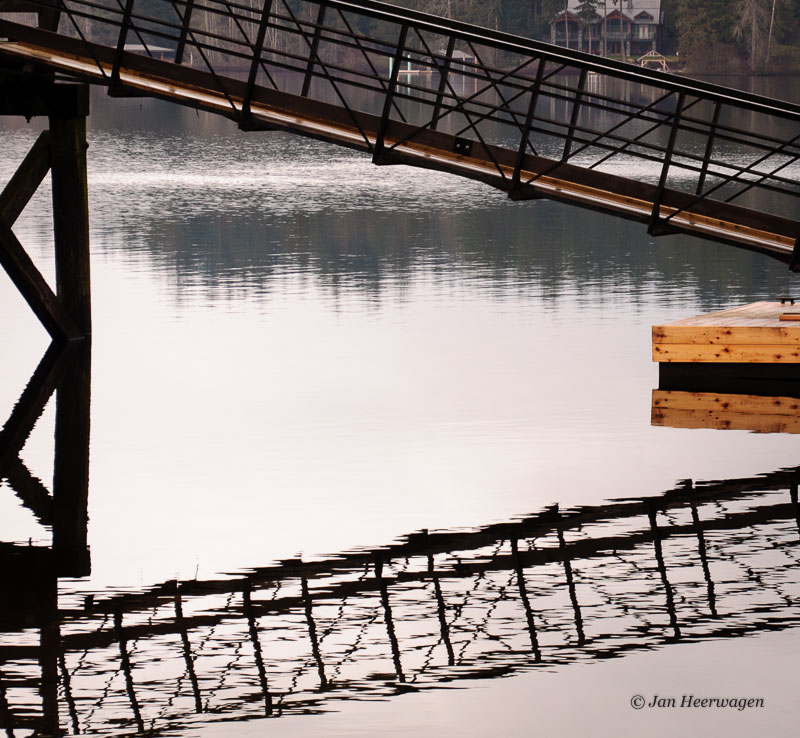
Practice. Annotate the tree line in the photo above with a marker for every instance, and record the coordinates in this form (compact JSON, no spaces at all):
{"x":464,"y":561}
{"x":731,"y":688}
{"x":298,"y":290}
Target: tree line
{"x":707,"y":35}
{"x":712,"y":36}
{"x":736,"y":35}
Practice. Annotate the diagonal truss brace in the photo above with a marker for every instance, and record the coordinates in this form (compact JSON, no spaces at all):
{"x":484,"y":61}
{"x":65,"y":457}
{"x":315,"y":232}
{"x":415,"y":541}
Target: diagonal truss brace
{"x":60,"y":151}
{"x":13,"y":257}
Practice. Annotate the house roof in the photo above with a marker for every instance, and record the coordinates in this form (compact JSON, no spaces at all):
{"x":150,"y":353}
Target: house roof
{"x":630,"y":8}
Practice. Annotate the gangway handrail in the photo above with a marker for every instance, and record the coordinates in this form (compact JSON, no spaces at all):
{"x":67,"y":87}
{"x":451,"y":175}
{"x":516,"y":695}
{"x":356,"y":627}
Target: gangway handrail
{"x":498,"y":114}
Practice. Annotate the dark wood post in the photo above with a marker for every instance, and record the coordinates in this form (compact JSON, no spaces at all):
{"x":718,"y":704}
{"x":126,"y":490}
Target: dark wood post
{"x":71,"y":209}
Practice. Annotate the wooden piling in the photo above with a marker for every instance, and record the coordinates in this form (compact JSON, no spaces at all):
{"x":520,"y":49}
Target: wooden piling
{"x":71,"y":217}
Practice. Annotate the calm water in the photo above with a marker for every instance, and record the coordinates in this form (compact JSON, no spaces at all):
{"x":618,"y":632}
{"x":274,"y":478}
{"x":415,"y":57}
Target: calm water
{"x":298,"y":355}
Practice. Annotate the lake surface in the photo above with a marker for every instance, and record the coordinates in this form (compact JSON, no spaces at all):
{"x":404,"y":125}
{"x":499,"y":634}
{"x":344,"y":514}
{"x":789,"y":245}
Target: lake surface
{"x":298,"y":356}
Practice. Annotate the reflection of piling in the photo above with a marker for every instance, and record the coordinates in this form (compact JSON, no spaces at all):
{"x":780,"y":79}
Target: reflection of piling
{"x":662,"y":569}
{"x":573,"y":595}
{"x":6,"y":716}
{"x":312,"y":634}
{"x":67,"y":371}
{"x":187,"y":649}
{"x":49,"y":649}
{"x":441,"y":610}
{"x":701,"y":546}
{"x":795,"y":506}
{"x":71,"y":469}
{"x":523,"y":595}
{"x":252,"y":628}
{"x":16,"y":430}
{"x":32,"y":401}
{"x":125,"y":662}
{"x":66,"y":681}
{"x":387,"y":616}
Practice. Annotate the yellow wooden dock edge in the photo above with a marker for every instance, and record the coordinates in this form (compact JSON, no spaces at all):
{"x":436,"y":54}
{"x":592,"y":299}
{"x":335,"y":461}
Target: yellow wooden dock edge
{"x":749,"y":334}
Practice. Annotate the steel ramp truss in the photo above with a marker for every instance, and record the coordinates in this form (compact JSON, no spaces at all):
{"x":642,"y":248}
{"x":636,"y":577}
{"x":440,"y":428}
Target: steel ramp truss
{"x":528,"y":118}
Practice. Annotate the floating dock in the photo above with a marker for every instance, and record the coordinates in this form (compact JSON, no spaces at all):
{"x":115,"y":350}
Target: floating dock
{"x":759,"y":333}
{"x":736,"y":369}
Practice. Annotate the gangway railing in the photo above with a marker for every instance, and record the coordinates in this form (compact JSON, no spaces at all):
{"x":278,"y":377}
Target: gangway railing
{"x":528,"y":118}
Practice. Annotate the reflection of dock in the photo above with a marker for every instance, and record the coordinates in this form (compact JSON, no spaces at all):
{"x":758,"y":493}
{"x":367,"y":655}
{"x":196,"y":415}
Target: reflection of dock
{"x":726,"y":411}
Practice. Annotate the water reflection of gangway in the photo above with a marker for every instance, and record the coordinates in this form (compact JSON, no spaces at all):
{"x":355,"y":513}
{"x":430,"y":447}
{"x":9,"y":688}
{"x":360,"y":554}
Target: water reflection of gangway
{"x":481,"y":104}
{"x":710,"y":560}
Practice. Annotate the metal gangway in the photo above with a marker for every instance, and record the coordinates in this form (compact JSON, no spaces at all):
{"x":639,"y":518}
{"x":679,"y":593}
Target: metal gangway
{"x":530,"y":119}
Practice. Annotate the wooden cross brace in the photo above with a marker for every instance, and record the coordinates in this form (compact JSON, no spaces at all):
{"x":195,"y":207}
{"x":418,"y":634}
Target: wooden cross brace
{"x":61,"y":151}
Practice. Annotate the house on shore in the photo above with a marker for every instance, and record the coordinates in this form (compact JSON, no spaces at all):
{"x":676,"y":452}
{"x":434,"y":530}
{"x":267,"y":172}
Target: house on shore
{"x":627,"y":27}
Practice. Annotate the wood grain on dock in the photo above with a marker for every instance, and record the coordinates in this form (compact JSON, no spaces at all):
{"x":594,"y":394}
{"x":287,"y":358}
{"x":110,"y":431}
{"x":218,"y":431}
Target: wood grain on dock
{"x":758,"y":333}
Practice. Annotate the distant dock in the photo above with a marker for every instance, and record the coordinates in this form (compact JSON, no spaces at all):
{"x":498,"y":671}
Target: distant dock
{"x":736,"y":369}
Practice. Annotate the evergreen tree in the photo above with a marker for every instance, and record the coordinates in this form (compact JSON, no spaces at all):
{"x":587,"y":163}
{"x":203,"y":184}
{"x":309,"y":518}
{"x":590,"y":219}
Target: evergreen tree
{"x":587,"y":10}
{"x":669,"y":30}
{"x":705,"y":41}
